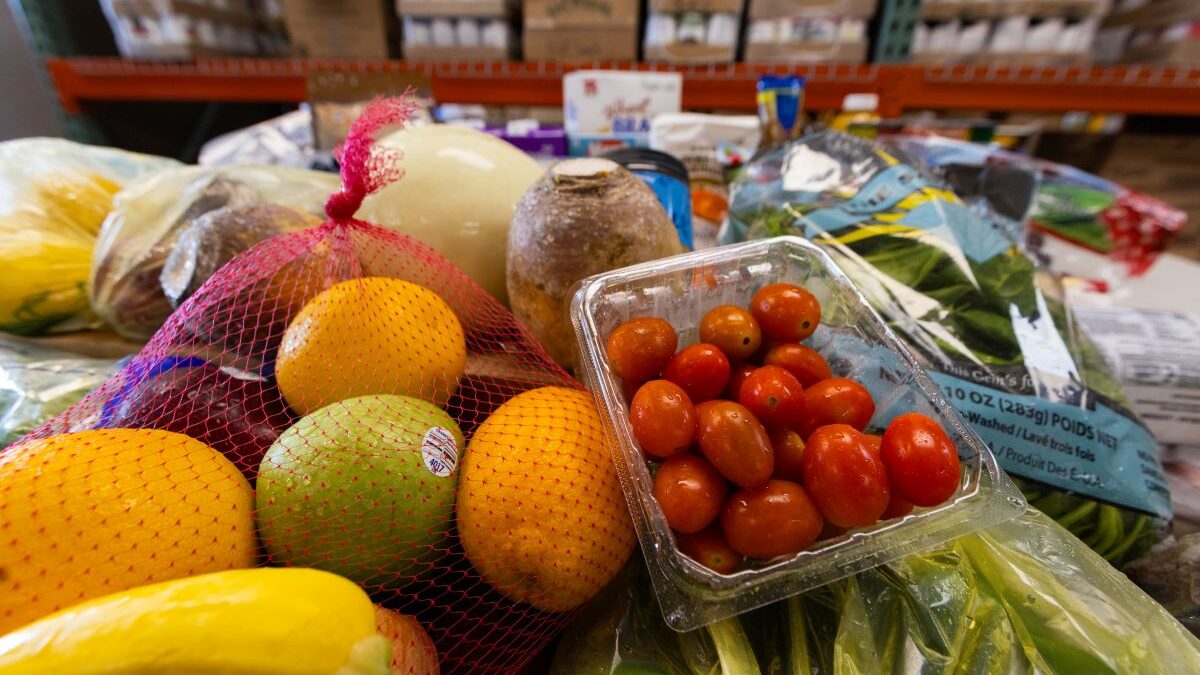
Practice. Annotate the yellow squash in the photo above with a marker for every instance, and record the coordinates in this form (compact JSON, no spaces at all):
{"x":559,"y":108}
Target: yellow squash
{"x":291,"y":621}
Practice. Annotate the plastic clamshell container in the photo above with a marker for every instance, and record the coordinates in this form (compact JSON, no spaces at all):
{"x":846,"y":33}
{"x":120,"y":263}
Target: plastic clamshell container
{"x":857,"y":344}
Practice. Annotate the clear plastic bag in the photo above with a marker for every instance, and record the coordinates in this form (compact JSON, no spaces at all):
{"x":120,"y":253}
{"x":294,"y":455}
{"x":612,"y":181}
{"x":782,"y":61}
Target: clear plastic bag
{"x":37,"y":383}
{"x":150,"y":216}
{"x":988,"y":324}
{"x":1024,"y":596}
{"x":54,"y":195}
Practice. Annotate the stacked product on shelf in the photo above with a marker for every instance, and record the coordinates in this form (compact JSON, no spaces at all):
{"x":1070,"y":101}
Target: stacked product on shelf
{"x":824,"y":31}
{"x":596,"y":30}
{"x":459,"y":30}
{"x":1014,"y":32}
{"x":704,"y":31}
{"x":1150,"y":31}
{"x":181,"y":29}
{"x":605,"y":110}
{"x":343,"y":29}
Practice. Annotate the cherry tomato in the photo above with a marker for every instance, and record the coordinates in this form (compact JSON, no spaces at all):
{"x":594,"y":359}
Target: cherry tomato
{"x":786,"y":312}
{"x":770,"y":520}
{"x":735,"y":442}
{"x":845,"y":479}
{"x":701,"y":370}
{"x":789,"y":455}
{"x":897,"y":507}
{"x":709,"y":548}
{"x":733,"y":330}
{"x":921,"y":460}
{"x":663,"y":419}
{"x":639,"y":349}
{"x":804,"y":362}
{"x":774,"y":396}
{"x":836,"y":401}
{"x":830,"y":531}
{"x":740,"y":372}
{"x":689,"y":491}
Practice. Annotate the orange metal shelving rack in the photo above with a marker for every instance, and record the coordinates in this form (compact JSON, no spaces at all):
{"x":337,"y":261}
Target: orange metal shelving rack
{"x":1134,"y":89}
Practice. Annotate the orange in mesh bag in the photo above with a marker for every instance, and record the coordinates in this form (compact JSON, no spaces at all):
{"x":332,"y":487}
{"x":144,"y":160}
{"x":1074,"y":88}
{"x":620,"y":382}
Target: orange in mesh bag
{"x":340,"y":398}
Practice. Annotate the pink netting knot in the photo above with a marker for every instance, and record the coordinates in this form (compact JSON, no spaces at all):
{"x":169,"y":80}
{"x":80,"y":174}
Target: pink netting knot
{"x":343,"y":205}
{"x":366,"y":165}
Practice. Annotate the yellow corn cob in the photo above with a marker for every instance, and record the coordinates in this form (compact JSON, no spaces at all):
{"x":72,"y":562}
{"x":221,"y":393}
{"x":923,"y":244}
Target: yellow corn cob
{"x":242,"y":622}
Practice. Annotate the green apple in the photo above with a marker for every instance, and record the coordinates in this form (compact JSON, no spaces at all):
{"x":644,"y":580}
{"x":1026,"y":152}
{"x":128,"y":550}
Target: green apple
{"x":363,"y":488}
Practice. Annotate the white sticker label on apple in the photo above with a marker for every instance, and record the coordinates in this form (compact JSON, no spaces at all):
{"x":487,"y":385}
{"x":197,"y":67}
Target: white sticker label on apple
{"x":439,"y":450}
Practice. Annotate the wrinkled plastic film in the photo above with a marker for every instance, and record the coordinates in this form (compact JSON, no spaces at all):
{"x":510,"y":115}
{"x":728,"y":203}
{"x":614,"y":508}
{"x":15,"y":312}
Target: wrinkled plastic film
{"x":54,"y":195}
{"x":988,"y":323}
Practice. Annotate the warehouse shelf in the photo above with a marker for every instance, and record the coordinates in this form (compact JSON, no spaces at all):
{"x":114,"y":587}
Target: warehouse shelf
{"x":1139,"y":90}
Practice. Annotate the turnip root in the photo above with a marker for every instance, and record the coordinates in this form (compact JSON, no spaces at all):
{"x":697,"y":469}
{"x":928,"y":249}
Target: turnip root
{"x":582,"y":217}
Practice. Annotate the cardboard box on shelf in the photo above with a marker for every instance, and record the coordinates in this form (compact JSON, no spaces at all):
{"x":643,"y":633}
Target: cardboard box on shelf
{"x":580,"y":30}
{"x":771,"y":9}
{"x":478,"y":8}
{"x":338,"y":28}
{"x":807,"y":52}
{"x":692,"y":31}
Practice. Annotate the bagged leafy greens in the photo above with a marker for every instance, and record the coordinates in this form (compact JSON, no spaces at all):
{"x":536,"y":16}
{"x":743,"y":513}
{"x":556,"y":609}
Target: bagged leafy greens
{"x":988,"y":323}
{"x":1076,"y":222}
{"x":1020,"y":597}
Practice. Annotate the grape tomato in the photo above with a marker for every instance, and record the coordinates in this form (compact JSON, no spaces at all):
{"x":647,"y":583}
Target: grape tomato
{"x":786,"y":312}
{"x":771,"y":520}
{"x":663,"y":419}
{"x":689,"y":491}
{"x":709,"y":548}
{"x":804,"y":362}
{"x":789,"y":455}
{"x":701,"y":370}
{"x":837,"y":401}
{"x":845,"y":478}
{"x":922,"y":462}
{"x":640,"y":348}
{"x":735,"y":442}
{"x":733,"y":330}
{"x":774,"y":396}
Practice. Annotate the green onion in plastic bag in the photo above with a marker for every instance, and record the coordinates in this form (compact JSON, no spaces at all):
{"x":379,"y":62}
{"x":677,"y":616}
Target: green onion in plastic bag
{"x":1024,"y":596}
{"x":989,"y":325}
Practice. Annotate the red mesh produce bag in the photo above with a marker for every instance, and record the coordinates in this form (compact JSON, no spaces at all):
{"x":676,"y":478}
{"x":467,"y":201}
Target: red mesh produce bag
{"x":342,"y":398}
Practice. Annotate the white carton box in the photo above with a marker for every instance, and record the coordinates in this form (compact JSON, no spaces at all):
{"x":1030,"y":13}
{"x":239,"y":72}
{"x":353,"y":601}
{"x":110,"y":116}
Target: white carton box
{"x":603,"y":109}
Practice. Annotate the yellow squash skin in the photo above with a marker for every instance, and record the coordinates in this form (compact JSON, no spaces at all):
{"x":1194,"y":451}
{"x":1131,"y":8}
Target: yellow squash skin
{"x":243,"y":622}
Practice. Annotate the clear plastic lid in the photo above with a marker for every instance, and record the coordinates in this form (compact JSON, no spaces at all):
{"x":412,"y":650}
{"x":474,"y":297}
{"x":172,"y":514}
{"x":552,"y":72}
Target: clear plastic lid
{"x":855,"y":342}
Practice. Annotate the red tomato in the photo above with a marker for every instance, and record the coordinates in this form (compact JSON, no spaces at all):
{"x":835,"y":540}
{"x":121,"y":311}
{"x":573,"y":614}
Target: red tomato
{"x":845,"y":479}
{"x":740,"y":372}
{"x":770,"y":520}
{"x":786,"y":312}
{"x":701,"y":370}
{"x":663,"y":419}
{"x":639,"y":349}
{"x":735,"y":442}
{"x":897,"y":507}
{"x":774,"y":396}
{"x":709,"y":548}
{"x":921,"y":460}
{"x":733,"y":330}
{"x":804,"y":362}
{"x":836,"y":401}
{"x":789,"y":455}
{"x":873,"y":442}
{"x":689,"y":491}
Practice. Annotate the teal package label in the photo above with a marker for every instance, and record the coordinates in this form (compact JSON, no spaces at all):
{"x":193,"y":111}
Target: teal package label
{"x":1097,"y":451}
